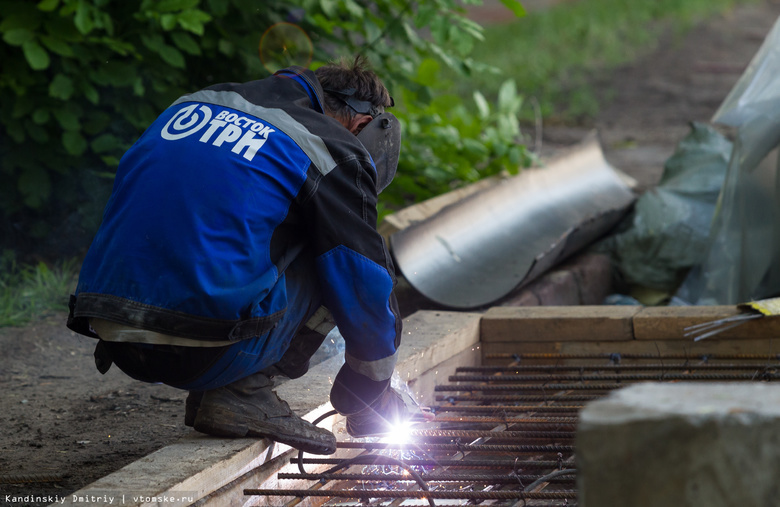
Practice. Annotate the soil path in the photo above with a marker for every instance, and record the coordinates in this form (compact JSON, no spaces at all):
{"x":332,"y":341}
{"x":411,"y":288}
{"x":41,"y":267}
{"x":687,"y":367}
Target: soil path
{"x":60,"y":417}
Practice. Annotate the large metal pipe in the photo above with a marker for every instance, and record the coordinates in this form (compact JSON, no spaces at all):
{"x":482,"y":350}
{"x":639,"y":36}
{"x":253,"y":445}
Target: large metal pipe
{"x":479,"y":249}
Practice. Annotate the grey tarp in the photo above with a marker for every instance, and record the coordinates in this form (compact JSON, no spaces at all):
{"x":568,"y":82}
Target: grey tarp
{"x":742,"y":260}
{"x":667,"y":231}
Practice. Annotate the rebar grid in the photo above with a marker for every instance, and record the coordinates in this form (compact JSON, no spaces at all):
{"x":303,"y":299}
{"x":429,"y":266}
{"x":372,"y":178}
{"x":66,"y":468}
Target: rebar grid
{"x":482,"y":446}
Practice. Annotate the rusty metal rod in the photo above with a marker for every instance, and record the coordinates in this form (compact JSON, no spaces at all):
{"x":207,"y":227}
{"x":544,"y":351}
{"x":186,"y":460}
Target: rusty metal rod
{"x":527,"y":398}
{"x":376,"y":459}
{"x":386,"y":493}
{"x":597,"y":378}
{"x":528,"y":387}
{"x":433,"y":477}
{"x":29,"y":478}
{"x":613,"y":367}
{"x":534,"y":422}
{"x":502,"y":435}
{"x":618,"y":356}
{"x":506,"y":408}
{"x":520,"y":449}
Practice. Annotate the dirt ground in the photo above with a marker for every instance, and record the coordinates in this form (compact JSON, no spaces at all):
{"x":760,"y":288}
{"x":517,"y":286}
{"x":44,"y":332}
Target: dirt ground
{"x":65,"y":423}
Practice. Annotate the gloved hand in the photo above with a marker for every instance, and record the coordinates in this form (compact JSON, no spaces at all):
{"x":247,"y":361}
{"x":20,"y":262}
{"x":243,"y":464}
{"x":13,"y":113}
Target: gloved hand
{"x":389,"y":410}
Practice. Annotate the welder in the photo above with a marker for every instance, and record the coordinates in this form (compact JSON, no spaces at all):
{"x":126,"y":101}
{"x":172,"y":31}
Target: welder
{"x":240,"y":224}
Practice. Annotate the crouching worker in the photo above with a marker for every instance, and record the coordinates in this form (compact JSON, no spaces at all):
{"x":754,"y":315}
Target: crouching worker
{"x":239,"y":213}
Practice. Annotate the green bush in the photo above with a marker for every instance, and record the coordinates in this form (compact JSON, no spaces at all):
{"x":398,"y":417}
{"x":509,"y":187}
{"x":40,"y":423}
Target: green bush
{"x":81,"y":79}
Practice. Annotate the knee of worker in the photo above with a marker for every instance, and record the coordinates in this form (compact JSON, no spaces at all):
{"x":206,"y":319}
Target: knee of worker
{"x":167,"y":364}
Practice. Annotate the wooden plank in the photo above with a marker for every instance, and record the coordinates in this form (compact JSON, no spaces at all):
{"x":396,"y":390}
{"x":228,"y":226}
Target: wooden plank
{"x":669,"y":323}
{"x":558,"y":323}
{"x":768,"y":347}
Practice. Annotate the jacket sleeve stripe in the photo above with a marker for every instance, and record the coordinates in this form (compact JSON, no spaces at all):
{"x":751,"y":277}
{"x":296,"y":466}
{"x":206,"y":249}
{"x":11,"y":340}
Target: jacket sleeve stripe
{"x":378,"y":370}
{"x":313,"y":146}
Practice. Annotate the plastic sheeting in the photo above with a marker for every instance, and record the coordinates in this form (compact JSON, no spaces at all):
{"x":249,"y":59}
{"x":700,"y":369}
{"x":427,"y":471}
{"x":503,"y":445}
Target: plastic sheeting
{"x":668,"y":229}
{"x":742,"y":260}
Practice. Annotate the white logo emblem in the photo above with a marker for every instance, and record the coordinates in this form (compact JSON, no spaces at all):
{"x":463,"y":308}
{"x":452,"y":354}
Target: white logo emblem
{"x":240,"y":133}
{"x":185,"y":122}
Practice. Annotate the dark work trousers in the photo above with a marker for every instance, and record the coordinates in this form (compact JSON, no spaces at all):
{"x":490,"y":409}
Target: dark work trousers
{"x":284,"y":350}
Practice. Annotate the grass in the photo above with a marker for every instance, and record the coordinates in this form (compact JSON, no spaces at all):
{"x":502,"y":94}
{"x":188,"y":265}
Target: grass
{"x":553,"y":55}
{"x":30,"y":292}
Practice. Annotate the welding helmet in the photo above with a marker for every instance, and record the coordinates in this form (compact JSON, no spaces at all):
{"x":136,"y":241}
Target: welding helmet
{"x":382,"y":139}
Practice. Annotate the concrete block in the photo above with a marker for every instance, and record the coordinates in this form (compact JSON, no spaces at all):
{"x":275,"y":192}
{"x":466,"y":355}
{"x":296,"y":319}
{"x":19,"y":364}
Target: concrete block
{"x":681,"y":445}
{"x":558,"y":323}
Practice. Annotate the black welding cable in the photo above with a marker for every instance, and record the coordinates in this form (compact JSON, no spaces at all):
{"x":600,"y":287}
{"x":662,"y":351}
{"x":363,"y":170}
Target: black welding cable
{"x":420,"y":481}
{"x":315,"y":422}
{"x":545,"y":478}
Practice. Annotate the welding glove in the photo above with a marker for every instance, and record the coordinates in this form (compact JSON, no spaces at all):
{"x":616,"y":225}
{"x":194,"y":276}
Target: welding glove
{"x":389,"y":411}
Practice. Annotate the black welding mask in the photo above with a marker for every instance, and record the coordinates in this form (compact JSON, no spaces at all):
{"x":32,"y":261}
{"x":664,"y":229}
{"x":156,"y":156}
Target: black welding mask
{"x":382,"y":139}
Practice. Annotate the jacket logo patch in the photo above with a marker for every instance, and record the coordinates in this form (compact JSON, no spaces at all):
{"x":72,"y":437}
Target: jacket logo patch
{"x":243,"y":134}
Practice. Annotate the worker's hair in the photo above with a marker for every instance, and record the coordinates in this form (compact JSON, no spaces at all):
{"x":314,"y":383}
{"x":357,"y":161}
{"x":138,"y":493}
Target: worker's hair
{"x":345,"y":74}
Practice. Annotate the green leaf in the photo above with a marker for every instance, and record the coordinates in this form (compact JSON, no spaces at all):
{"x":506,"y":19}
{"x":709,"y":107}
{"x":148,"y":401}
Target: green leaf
{"x":37,"y":133}
{"x":175,"y":5}
{"x":61,"y":87}
{"x":483,"y":108}
{"x":48,"y":5}
{"x":96,"y":122}
{"x":154,"y":41}
{"x":68,"y":120}
{"x":193,"y":20}
{"x":90,"y":92}
{"x":507,"y":95}
{"x":41,"y":116}
{"x":35,"y":185}
{"x":186,"y":43}
{"x":226,"y":47}
{"x":427,"y":72}
{"x":104,"y":143}
{"x":36,"y":56}
{"x":168,"y":21}
{"x":74,"y":143}
{"x":515,"y":6}
{"x":328,"y":8}
{"x":18,"y":36}
{"x":57,"y":46}
{"x":24,"y":15}
{"x":83,"y":19}
{"x":172,"y":56}
{"x":138,"y":87}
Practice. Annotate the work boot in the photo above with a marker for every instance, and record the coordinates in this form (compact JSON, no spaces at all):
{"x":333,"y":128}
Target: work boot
{"x":249,"y":408}
{"x":191,"y":407}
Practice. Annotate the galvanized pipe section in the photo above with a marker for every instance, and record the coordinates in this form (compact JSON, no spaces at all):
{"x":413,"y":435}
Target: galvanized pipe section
{"x":479,"y":249}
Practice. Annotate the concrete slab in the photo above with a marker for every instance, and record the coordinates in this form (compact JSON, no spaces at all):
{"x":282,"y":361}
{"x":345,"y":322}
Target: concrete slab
{"x":686,"y":445}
